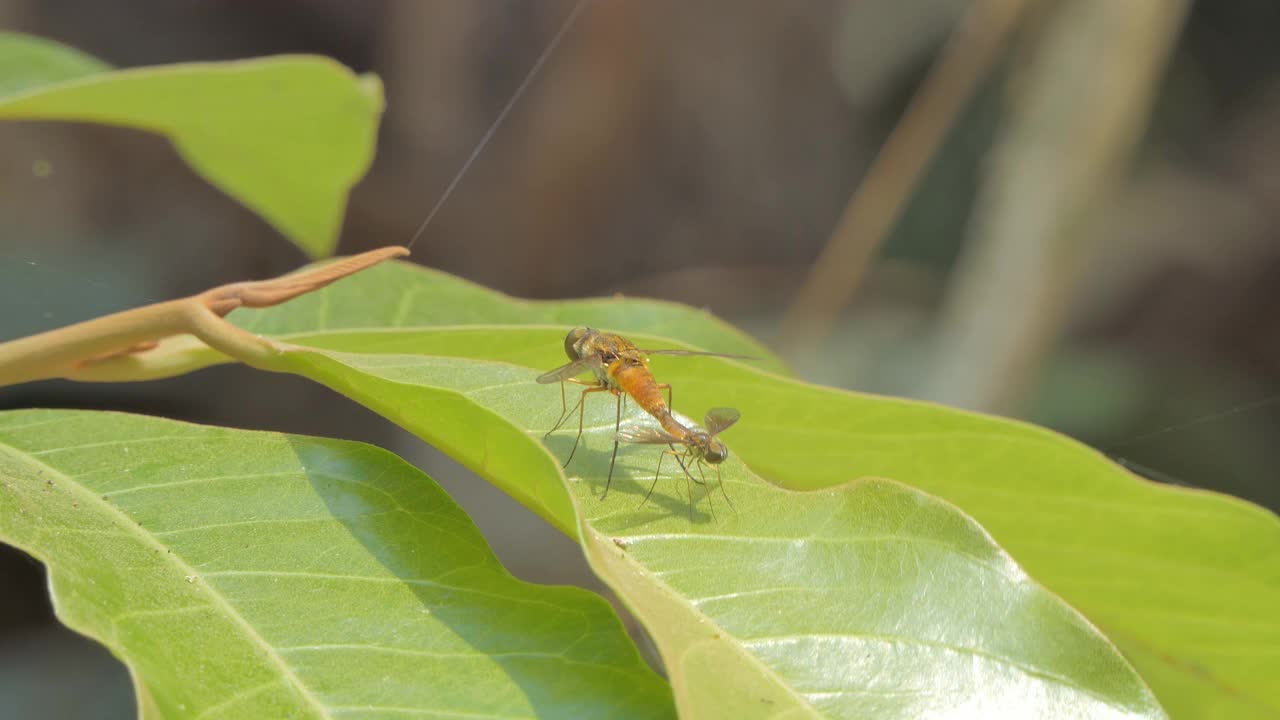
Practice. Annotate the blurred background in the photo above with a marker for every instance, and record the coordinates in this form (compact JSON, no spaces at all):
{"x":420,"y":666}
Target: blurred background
{"x":1060,"y":210}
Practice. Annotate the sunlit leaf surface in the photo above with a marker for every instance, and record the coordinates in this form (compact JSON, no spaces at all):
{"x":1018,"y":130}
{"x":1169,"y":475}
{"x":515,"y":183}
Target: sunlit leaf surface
{"x":868,"y":600}
{"x":1185,"y":582}
{"x":260,"y":575}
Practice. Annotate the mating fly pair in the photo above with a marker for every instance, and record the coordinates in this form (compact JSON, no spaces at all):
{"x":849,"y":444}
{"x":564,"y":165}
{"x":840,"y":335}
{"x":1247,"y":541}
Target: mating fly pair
{"x":620,"y":368}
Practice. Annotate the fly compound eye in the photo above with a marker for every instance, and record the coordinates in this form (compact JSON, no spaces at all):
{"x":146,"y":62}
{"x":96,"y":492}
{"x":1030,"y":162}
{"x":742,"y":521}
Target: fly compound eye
{"x":571,"y":341}
{"x":717,"y":453}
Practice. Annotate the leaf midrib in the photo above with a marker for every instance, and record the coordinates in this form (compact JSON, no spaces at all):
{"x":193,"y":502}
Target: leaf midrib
{"x":131,"y":527}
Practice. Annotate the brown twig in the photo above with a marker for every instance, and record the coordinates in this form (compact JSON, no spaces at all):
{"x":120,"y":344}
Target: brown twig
{"x":875,"y":206}
{"x":94,"y":349}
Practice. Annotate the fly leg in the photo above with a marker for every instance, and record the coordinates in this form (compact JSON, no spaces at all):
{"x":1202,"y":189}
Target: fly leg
{"x":689,"y":479}
{"x":617,"y":425}
{"x":665,"y":386}
{"x":720,"y":482}
{"x":656,"y":472}
{"x":582,"y":409}
{"x":565,"y":412}
{"x":710,"y":503}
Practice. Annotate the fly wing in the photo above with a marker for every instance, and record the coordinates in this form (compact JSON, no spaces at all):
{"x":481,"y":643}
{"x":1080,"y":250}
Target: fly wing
{"x":698,"y":352}
{"x":570,"y":370}
{"x":719,"y":419}
{"x":648,"y":436}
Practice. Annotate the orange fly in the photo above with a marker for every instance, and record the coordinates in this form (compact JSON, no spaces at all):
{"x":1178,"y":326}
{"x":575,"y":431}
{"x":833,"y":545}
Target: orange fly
{"x":701,"y":447}
{"x":621,"y":368}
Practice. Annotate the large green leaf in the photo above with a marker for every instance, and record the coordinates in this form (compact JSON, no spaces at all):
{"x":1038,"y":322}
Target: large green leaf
{"x":1185,"y":582}
{"x":260,"y":575}
{"x":285,"y":136}
{"x":868,"y":600}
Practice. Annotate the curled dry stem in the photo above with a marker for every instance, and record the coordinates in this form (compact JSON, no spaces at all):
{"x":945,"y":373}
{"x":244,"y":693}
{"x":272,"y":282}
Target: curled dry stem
{"x":110,"y":348}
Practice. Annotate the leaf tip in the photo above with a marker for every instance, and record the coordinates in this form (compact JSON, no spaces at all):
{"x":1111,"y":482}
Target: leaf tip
{"x":371,"y":86}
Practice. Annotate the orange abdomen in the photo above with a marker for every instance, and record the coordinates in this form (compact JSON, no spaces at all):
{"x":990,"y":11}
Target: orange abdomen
{"x":636,"y":381}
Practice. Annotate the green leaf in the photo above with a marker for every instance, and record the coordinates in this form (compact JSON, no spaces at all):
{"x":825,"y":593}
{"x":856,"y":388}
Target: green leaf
{"x":1185,"y":582}
{"x":245,"y":575}
{"x":28,"y":62}
{"x":868,"y":600}
{"x":404,"y":295}
{"x":286,"y":136}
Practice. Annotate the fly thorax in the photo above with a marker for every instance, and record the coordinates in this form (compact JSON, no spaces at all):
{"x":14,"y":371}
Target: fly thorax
{"x":699,"y":441}
{"x":613,"y":364}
